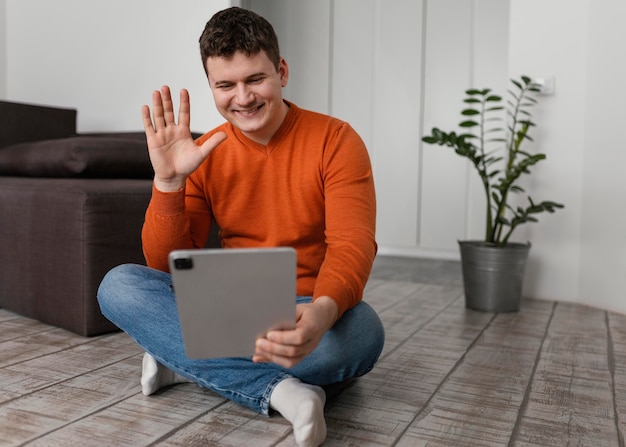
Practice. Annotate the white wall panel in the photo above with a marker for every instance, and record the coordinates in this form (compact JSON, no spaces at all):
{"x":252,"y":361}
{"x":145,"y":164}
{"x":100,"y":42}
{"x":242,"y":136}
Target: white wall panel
{"x":490,"y":50}
{"x":447,"y":71}
{"x":353,"y":55}
{"x":396,"y":106}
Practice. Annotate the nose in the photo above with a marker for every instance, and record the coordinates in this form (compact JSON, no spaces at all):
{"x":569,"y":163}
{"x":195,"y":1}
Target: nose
{"x":243,"y":94}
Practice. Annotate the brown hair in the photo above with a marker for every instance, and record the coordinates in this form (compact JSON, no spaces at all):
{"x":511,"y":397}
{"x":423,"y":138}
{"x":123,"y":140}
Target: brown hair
{"x":237,"y":29}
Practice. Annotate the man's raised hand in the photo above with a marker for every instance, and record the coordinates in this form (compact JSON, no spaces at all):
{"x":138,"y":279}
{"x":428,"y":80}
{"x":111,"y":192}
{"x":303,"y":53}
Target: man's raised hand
{"x":173,"y":153}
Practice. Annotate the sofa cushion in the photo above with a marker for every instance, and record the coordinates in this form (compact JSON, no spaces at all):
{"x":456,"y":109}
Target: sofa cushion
{"x":80,"y":156}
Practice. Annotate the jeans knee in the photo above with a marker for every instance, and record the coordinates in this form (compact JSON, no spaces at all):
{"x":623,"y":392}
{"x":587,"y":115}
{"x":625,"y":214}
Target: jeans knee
{"x":131,"y":291}
{"x":361,"y":341}
{"x":118,"y":283}
{"x":375,"y":333}
{"x":113,"y":278}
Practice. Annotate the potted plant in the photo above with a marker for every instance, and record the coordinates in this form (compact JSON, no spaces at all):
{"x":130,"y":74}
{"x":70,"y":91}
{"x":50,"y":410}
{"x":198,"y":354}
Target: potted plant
{"x":493,"y":268}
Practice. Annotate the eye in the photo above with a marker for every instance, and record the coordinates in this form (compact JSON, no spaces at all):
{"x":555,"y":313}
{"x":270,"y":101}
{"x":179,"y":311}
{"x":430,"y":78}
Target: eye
{"x":224,"y":86}
{"x":256,"y":80}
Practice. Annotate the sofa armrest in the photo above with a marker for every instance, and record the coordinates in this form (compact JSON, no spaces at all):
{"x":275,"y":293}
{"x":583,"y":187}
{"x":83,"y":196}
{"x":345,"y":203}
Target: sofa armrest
{"x":25,"y":122}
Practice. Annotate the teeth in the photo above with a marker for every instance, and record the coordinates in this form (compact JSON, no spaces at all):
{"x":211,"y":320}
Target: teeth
{"x":248,"y":112}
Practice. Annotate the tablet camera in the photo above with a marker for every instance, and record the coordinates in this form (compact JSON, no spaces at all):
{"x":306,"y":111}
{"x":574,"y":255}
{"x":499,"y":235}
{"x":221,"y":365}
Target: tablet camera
{"x":183,"y":263}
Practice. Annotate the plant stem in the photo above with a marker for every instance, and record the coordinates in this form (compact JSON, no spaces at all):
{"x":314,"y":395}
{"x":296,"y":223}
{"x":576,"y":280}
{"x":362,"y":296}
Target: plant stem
{"x":483,"y":168}
{"x":515,"y":141}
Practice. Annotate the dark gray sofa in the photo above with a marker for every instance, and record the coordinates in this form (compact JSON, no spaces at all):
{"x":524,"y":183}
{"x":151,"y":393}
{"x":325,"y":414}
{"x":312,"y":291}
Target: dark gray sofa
{"x":71,"y":208}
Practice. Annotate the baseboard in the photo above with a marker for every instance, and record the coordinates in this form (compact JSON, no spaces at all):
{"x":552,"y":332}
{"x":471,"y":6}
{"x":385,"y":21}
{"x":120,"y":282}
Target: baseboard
{"x":448,"y":255}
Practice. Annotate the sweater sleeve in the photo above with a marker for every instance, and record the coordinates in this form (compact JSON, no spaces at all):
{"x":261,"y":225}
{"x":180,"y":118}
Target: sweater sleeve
{"x":166,"y":227}
{"x":350,"y":207}
{"x":174,"y":221}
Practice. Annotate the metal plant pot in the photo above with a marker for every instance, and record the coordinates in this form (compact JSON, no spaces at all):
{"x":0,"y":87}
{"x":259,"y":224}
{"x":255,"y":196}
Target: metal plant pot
{"x":492,"y":275}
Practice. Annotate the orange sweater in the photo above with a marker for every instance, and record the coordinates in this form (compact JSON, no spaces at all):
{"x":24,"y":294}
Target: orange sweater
{"x":310,"y":188}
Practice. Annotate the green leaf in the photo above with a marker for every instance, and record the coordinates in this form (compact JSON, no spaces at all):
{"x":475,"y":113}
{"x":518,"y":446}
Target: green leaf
{"x":491,"y":98}
{"x":497,"y":140}
{"x":468,"y":124}
{"x":551,"y":205}
{"x":466,"y":136}
{"x":470,"y":112}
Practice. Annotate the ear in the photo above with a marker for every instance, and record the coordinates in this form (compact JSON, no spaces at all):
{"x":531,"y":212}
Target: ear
{"x":283,"y":72}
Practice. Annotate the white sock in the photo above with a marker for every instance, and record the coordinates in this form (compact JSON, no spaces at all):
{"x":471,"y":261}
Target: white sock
{"x":302,"y":405}
{"x":155,"y":376}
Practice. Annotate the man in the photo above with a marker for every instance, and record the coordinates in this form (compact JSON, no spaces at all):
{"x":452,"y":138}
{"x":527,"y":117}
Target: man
{"x":272,"y":175}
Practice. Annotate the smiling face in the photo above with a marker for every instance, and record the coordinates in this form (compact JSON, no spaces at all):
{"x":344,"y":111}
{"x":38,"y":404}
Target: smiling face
{"x":248,"y":92}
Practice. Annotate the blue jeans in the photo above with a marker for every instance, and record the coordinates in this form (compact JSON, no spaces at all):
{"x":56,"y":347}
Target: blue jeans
{"x":140,"y":301}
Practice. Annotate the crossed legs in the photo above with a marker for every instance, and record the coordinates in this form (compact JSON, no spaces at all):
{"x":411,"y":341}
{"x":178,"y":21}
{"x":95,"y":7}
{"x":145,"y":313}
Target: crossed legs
{"x":140,"y":301}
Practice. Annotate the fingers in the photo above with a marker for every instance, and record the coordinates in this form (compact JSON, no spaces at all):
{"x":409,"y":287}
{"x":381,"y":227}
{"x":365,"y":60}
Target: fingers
{"x":157,"y":110}
{"x":168,"y":106}
{"x":285,"y":348}
{"x":147,"y":121}
{"x":294,"y":337}
{"x":287,"y":356}
{"x":184,"y":112}
{"x":163,"y":110}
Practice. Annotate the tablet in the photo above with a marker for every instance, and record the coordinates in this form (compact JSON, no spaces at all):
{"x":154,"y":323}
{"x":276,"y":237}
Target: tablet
{"x":227,"y":298}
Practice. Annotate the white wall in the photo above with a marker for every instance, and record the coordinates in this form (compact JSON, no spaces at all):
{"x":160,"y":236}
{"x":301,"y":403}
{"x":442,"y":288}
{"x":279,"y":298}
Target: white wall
{"x":429,"y":201}
{"x":603,"y":234}
{"x":105,"y":57}
{"x":555,"y":262}
{"x":3,"y":49}
{"x":603,"y":238}
{"x":580,"y":253}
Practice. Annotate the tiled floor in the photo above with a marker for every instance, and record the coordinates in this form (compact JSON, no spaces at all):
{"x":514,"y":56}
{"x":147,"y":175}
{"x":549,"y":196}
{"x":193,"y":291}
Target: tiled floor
{"x":553,"y":374}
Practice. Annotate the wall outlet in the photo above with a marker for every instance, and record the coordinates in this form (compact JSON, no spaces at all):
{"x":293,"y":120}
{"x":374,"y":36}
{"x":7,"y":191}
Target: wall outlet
{"x":546,"y":85}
